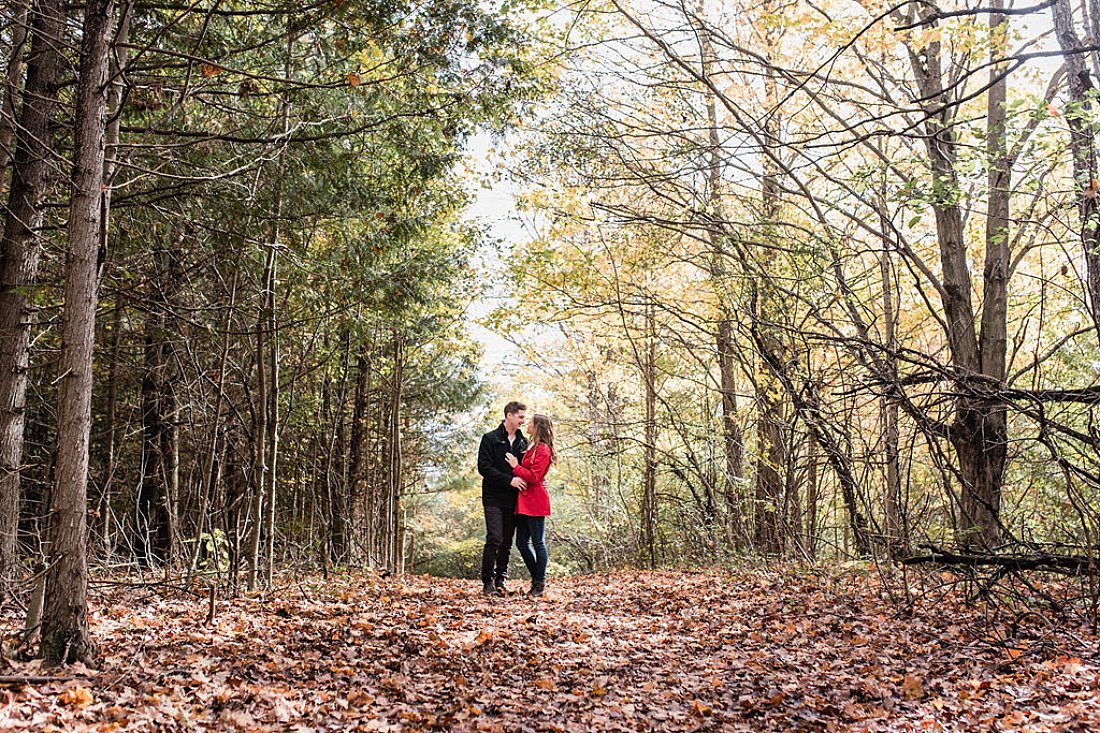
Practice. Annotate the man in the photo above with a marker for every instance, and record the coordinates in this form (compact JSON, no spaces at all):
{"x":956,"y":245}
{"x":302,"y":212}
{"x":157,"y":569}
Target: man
{"x":499,"y":490}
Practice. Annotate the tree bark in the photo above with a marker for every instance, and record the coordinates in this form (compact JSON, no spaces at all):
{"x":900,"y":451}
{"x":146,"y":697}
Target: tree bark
{"x":771,"y":456}
{"x":214,"y":466}
{"x":119,"y":56}
{"x":19,"y":254}
{"x":11,"y":86}
{"x":810,"y":532}
{"x":358,"y":439}
{"x":771,"y":427}
{"x":114,"y":105}
{"x":897,"y":540}
{"x":978,"y":432}
{"x":392,"y":552}
{"x":110,"y":431}
{"x":649,"y":478}
{"x":732,"y":439}
{"x":65,"y":635}
{"x":336,"y":462}
{"x":156,"y":507}
{"x":270,"y":318}
{"x":273,"y":423}
{"x":1083,"y":147}
{"x":259,"y":448}
{"x":807,"y":403}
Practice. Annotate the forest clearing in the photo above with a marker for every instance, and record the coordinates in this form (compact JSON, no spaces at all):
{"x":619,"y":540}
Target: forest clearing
{"x":749,"y":650}
{"x":765,"y":332}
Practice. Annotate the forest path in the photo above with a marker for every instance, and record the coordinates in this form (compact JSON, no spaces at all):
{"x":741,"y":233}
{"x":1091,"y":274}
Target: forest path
{"x":749,"y":650}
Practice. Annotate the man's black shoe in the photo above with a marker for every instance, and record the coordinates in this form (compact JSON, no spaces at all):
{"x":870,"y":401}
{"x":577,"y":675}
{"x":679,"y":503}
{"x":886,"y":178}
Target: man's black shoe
{"x":502,"y":589}
{"x":537,"y":589}
{"x":490,"y":590}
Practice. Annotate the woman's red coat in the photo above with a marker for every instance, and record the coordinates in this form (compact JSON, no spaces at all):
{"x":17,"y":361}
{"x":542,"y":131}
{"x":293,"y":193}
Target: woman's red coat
{"x":534,"y":501}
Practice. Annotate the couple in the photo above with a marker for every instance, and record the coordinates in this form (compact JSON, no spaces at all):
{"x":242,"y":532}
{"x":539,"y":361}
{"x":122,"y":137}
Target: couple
{"x":513,"y":468}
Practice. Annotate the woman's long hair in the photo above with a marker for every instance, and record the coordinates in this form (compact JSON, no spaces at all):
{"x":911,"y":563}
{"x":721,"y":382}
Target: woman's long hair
{"x":543,"y":433}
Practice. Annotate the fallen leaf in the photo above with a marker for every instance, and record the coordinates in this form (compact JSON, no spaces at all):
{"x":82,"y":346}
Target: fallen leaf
{"x":77,"y":698}
{"x":912,"y":688}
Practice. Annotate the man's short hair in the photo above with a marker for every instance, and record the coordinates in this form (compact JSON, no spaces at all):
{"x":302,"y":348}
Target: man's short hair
{"x":513,"y":407}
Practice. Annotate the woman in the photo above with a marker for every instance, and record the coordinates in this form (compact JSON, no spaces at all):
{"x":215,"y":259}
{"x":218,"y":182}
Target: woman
{"x":533,"y":505}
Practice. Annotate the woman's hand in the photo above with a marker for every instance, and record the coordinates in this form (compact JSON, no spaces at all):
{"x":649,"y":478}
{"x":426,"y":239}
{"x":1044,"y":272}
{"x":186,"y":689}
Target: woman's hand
{"x":511,"y":460}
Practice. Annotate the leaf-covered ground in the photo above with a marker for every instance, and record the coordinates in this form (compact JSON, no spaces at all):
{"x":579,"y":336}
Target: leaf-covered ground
{"x":751,"y":651}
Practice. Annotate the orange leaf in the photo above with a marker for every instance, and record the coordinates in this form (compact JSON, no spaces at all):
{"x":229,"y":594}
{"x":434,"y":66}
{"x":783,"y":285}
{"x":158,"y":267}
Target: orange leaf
{"x":354,"y":80}
{"x":209,"y":70}
{"x":912,"y":688}
{"x":1053,"y":111}
{"x":77,"y":698}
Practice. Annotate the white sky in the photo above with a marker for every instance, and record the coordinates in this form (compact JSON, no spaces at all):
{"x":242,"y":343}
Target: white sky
{"x":494,"y":208}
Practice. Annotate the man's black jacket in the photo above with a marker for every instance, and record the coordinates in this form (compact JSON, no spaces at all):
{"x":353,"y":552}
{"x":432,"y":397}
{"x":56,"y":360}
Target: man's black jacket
{"x":496,"y":474}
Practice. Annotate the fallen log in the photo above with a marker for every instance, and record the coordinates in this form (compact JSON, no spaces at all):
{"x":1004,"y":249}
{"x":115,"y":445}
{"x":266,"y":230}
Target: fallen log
{"x":1065,"y":564}
{"x":18,"y":680}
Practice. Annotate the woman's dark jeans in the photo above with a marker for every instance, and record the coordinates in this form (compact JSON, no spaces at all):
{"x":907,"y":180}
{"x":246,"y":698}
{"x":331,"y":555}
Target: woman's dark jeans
{"x":531,"y":532}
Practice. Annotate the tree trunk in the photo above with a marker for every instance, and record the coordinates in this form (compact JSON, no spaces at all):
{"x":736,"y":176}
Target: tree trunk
{"x":807,"y":403}
{"x":897,"y":540}
{"x":11,"y":86}
{"x":110,"y":431}
{"x":358,"y":446}
{"x":810,"y":532}
{"x":649,"y":479}
{"x":273,"y":423}
{"x":771,"y":459}
{"x":1083,"y":147}
{"x":771,"y":423}
{"x":334,"y":536}
{"x":336,"y":469}
{"x":19,"y":254}
{"x":733,"y":440}
{"x":258,"y":485}
{"x":213,"y":470}
{"x":119,"y":56}
{"x":65,"y":636}
{"x":114,"y":104}
{"x":978,"y":431}
{"x":269,"y":317}
{"x":156,"y":502}
{"x":393,"y":552}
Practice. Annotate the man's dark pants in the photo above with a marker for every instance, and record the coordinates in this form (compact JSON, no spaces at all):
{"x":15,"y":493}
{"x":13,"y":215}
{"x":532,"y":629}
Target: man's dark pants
{"x":500,"y":526}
